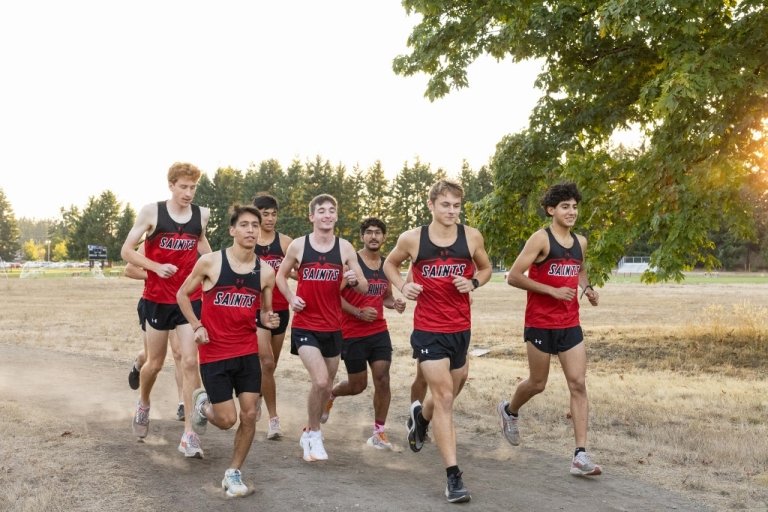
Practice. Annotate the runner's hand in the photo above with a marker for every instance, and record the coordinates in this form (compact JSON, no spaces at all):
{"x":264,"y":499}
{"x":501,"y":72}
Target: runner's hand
{"x":351,"y":278}
{"x":270,"y":319}
{"x":463,"y":285}
{"x":166,"y":270}
{"x":201,"y":335}
{"x":411,"y":290}
{"x":297,"y":303}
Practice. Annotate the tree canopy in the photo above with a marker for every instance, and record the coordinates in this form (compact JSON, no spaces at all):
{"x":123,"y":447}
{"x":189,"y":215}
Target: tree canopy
{"x":9,"y":230}
{"x":690,"y":76}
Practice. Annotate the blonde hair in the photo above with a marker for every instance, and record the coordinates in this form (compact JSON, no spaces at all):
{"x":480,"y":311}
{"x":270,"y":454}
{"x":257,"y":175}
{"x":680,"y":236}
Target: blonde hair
{"x":322,"y":198}
{"x":446,"y":186}
{"x":183,"y":170}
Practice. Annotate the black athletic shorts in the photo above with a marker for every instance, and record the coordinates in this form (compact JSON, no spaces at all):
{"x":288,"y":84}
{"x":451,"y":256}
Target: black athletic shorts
{"x":356,"y":352}
{"x":329,"y":343}
{"x":239,"y":375}
{"x":165,"y":317}
{"x":142,"y":316}
{"x":433,"y":346}
{"x":280,"y":329}
{"x":554,"y":341}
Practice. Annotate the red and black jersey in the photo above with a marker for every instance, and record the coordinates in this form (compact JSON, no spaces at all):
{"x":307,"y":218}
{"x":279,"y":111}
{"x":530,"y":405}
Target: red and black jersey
{"x":319,"y":280}
{"x":273,"y":255}
{"x":353,"y":327}
{"x":229,"y":314}
{"x":440,"y":307}
{"x":173,"y":243}
{"x":559,"y":269}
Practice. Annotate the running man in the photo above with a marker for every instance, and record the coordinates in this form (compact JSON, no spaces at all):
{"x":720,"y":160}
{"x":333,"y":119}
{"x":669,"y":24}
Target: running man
{"x":448,"y":262}
{"x":320,"y":258}
{"x":134,"y":272}
{"x":174,"y":234}
{"x":554,"y":259}
{"x":237,"y":287}
{"x":271,"y":248}
{"x":366,"y":336}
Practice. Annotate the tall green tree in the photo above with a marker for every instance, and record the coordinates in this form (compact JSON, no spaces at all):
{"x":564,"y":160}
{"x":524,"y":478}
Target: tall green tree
{"x":409,"y":197}
{"x":124,"y":225}
{"x":376,"y":198}
{"x":10,"y":243}
{"x":97,"y":226}
{"x":476,"y":185}
{"x":690,"y":76}
{"x":293,"y":205}
{"x":351,"y":207}
{"x":264,"y":178}
{"x":227,"y":190}
{"x":34,"y":229}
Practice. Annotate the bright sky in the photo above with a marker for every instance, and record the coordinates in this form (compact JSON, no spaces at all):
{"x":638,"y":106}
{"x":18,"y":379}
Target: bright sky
{"x":102,"y":95}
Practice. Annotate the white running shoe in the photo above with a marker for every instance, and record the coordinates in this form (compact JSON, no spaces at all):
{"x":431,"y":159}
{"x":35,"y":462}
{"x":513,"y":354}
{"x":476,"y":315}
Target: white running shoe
{"x":508,"y":424}
{"x":199,"y":419}
{"x":316,"y":448}
{"x":140,"y":422}
{"x":304,"y":443}
{"x":190,"y":445}
{"x":582,"y":465}
{"x":233,"y":484}
{"x":274,"y":432}
{"x":379,"y":441}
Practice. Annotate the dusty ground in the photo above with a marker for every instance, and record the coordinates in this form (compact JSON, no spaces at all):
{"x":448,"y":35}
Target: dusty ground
{"x":94,"y":463}
{"x":66,"y":443}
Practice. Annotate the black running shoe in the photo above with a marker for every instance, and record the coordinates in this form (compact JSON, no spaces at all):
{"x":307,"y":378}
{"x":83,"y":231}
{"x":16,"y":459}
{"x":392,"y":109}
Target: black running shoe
{"x":455,"y":491}
{"x":133,"y":377}
{"x":416,"y":430}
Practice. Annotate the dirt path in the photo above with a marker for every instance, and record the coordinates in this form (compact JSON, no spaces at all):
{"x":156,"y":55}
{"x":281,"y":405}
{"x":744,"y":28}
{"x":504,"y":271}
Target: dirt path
{"x":100,"y":466}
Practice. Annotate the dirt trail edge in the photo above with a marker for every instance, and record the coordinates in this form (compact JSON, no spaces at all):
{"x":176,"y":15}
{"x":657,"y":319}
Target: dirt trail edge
{"x":91,"y":398}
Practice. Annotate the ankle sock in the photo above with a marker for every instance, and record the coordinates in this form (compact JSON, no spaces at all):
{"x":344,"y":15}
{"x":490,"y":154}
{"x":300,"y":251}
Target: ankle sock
{"x":452,"y":470}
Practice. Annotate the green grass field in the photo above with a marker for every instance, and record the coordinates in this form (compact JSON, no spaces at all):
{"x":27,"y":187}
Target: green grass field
{"x":690,"y":278}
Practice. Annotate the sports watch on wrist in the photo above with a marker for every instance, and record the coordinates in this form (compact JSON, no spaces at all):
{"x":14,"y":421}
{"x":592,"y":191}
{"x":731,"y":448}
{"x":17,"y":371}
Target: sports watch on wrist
{"x":475,"y":283}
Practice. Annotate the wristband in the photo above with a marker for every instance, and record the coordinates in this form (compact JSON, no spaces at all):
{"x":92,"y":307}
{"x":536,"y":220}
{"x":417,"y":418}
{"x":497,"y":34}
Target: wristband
{"x":198,"y":327}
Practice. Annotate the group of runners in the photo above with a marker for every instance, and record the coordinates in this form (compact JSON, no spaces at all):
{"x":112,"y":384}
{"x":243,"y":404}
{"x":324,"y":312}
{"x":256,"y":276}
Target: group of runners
{"x":230,"y":310}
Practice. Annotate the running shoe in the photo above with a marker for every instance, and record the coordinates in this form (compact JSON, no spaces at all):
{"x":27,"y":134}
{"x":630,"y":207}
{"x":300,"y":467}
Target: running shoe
{"x":274,"y":432}
{"x":508,"y":424}
{"x":133,"y":376}
{"x":233,"y":483}
{"x":582,"y":465}
{"x":416,"y":430}
{"x":180,"y":412}
{"x":379,"y":441}
{"x":190,"y":445}
{"x":304,"y":443}
{"x":326,"y":411}
{"x":141,"y":421}
{"x":199,"y":419}
{"x":455,"y":491}
{"x":316,"y":448}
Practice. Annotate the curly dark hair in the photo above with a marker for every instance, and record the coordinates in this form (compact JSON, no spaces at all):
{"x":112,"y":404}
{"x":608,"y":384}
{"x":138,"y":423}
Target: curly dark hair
{"x":372,"y":221}
{"x":556,"y":194}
